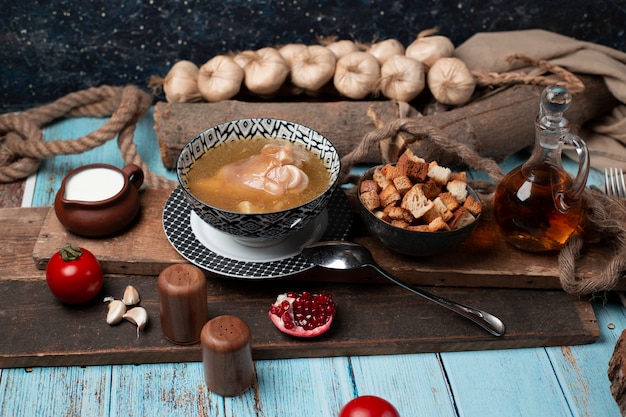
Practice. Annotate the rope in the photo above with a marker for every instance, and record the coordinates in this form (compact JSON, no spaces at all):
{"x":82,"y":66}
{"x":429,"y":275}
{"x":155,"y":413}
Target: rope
{"x":22,"y":147}
{"x":604,"y":221}
{"x":414,"y":129}
{"x":486,"y":78}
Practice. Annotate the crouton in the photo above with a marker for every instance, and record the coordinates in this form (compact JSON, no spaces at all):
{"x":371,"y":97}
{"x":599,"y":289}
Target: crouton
{"x":416,"y":202}
{"x":389,"y":195}
{"x":431,"y":214}
{"x":419,"y":228}
{"x":382,"y":216}
{"x":462,"y":217}
{"x":408,"y":153}
{"x":438,"y":225}
{"x":389,"y":207}
{"x":400,"y":223}
{"x":440,"y":174}
{"x":461,"y":176}
{"x":399,"y":213}
{"x":439,"y":209}
{"x":370,"y":200}
{"x":402,"y":184}
{"x":417,"y":171}
{"x":449,"y":201}
{"x":431,"y":189}
{"x":380,"y":179}
{"x":473,"y":206}
{"x":446,"y":214}
{"x":391,"y":171}
{"x":458,"y":189}
{"x":369,"y":185}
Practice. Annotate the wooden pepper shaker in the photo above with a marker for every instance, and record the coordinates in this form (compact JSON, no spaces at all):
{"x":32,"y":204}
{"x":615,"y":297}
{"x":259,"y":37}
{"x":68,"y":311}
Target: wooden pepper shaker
{"x":183,"y":303}
{"x":227,"y":356}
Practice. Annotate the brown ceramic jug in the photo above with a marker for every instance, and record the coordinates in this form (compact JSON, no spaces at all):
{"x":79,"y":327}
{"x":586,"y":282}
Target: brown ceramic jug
{"x":97,"y":200}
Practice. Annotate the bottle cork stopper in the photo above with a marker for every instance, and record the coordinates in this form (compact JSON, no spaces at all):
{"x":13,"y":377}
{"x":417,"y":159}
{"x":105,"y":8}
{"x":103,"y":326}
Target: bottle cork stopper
{"x":227,"y":356}
{"x":183,"y":303}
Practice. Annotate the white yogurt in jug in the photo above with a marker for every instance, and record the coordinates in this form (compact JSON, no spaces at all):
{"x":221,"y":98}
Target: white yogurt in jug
{"x":93,"y":184}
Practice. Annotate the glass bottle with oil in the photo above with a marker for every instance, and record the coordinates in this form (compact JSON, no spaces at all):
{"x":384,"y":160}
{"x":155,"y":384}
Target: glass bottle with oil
{"x":538,"y":206}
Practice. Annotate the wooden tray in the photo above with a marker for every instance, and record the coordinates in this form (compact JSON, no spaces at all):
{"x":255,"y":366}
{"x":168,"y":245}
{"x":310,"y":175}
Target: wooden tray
{"x":372,"y":319}
{"x":484,"y":260}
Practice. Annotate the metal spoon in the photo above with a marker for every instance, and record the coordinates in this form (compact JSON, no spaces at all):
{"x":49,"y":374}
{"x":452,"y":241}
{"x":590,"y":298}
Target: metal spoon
{"x":346,"y":255}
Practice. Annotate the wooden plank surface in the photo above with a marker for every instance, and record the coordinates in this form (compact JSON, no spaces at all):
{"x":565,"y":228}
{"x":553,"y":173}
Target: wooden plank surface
{"x":484,"y":260}
{"x":372,"y":319}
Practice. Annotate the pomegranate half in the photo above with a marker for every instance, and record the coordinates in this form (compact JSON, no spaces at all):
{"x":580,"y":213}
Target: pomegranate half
{"x":303,"y":314}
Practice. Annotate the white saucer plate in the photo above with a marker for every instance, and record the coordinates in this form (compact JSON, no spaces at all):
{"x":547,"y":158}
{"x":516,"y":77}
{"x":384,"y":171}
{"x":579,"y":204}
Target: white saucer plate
{"x":217,"y":252}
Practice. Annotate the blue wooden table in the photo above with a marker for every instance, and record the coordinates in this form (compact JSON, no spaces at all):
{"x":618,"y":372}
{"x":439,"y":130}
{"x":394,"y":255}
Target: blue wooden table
{"x":555,"y":381}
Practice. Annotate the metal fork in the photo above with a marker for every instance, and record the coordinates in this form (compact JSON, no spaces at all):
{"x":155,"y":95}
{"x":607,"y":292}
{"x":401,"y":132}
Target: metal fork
{"x":614,"y":183}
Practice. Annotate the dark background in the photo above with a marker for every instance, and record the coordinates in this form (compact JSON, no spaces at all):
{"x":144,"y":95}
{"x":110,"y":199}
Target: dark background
{"x":54,"y":47}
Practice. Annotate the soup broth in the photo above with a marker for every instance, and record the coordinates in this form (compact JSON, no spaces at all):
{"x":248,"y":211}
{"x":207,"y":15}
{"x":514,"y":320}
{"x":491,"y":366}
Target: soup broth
{"x":218,"y":177}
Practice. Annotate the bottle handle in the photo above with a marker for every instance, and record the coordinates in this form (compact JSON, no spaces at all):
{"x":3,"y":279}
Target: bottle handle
{"x":580,"y":182}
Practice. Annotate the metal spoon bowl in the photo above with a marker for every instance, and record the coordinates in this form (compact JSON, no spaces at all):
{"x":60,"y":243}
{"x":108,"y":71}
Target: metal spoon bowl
{"x":346,"y":255}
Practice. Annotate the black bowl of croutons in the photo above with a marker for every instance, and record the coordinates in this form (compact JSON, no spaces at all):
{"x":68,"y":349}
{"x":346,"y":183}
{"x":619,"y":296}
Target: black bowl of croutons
{"x":417,"y":208}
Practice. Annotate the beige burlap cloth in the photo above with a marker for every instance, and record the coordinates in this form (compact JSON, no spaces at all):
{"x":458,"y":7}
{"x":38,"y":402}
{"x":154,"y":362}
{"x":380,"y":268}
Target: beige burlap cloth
{"x":605,"y":137}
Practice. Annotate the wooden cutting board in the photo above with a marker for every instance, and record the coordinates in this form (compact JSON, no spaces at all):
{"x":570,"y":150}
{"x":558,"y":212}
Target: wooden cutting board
{"x":484,"y":260}
{"x":372,"y":319}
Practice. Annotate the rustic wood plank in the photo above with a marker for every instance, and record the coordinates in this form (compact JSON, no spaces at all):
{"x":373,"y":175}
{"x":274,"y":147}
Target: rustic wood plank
{"x":11,"y":194}
{"x":414,"y":384}
{"x":142,"y":249}
{"x":303,"y":388}
{"x":502,"y":375}
{"x":173,"y":390}
{"x":43,"y":332}
{"x":17,"y":245}
{"x":344,"y":123}
{"x":484,"y":260}
{"x":63,"y":391}
{"x":583,"y":373}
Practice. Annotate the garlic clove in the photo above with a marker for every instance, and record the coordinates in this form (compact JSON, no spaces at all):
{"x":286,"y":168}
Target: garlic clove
{"x":220,"y":78}
{"x":429,"y":49}
{"x":451,"y":82}
{"x":356,"y":75}
{"x":137,"y":316}
{"x":402,"y":78}
{"x":385,"y":49}
{"x":342,"y":48}
{"x":311,"y":67}
{"x":265,"y":70}
{"x":131,"y":296}
{"x":181,"y":83}
{"x":117,"y":309}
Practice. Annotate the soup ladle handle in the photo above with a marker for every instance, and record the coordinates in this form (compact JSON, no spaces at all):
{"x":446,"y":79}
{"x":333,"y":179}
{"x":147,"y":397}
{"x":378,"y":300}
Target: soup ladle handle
{"x":486,"y":320}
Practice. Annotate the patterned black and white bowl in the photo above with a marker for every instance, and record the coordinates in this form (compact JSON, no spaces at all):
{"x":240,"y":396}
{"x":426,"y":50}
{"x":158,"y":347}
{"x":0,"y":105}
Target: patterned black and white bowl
{"x":267,"y":228}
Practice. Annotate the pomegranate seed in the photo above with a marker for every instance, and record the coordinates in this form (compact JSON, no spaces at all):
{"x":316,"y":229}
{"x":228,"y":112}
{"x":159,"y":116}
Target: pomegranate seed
{"x":303,"y":314}
{"x":276,"y":310}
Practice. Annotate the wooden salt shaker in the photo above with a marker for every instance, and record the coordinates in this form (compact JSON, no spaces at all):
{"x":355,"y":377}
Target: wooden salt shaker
{"x":183,"y":303}
{"x":227,"y":356}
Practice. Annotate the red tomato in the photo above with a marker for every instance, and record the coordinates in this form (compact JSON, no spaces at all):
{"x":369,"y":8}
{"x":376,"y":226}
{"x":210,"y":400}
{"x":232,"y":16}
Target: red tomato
{"x":368,"y":406}
{"x":74,"y":275}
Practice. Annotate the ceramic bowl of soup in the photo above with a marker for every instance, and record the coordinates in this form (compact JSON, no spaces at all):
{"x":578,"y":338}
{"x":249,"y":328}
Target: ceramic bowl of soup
{"x":258,"y":180}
